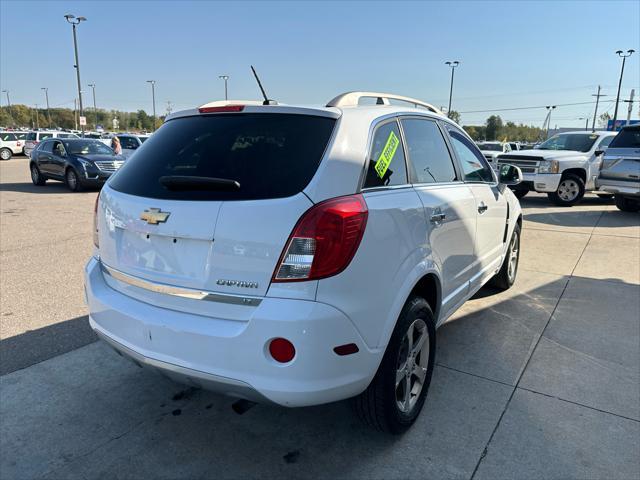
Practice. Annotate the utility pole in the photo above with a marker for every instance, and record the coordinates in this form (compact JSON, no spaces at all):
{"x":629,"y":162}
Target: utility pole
{"x":153,"y":96}
{"x":37,"y":118}
{"x":46,"y":95}
{"x":169,"y":108}
{"x":225,"y":78}
{"x":453,"y":66}
{"x":624,"y":58}
{"x":595,"y":113}
{"x":75,"y":21}
{"x":95,"y":109}
{"x":8,"y":104}
{"x":630,"y":102}
{"x":75,"y":112}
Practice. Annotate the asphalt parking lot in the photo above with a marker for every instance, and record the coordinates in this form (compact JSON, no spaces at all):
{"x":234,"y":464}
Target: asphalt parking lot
{"x":542,"y":381}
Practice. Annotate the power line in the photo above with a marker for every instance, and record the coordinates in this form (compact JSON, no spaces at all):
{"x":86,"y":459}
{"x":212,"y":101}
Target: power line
{"x":528,"y":108}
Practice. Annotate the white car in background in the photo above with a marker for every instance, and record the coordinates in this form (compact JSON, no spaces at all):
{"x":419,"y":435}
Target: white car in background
{"x":491,"y":150}
{"x":10,"y":145}
{"x":564,"y":167}
{"x":299,"y":255}
{"x":35,"y":137}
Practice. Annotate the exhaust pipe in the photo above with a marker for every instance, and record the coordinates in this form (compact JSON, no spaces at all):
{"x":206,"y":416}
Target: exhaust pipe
{"x":242,"y":406}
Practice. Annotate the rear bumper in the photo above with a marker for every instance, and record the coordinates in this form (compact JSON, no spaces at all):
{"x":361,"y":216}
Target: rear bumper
{"x":231,"y":357}
{"x":631,"y":189}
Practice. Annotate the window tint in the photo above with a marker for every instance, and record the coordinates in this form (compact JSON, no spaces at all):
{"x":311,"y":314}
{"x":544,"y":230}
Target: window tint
{"x":42,"y":136}
{"x":386,"y":159}
{"x":428,"y":154}
{"x":31,"y":136}
{"x":129,"y":143}
{"x":46,"y":147}
{"x":58,"y":149}
{"x":605,"y":142}
{"x":21,"y":136}
{"x":473,"y":163}
{"x":271,"y":155}
{"x":87,"y":147}
{"x":627,"y":138}
{"x":7,"y":137}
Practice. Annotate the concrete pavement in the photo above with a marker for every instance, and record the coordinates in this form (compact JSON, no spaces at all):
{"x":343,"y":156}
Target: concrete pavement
{"x":542,"y":381}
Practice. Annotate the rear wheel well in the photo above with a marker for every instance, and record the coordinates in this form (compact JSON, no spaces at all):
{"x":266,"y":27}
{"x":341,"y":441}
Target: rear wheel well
{"x":429,"y":288}
{"x":576,"y":171}
{"x":519,"y":220}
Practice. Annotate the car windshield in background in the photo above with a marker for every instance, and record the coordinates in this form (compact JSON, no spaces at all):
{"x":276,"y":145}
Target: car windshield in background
{"x":88,"y":147}
{"x":627,"y":138}
{"x":490,"y":146}
{"x":143,"y":139}
{"x":577,"y":142}
{"x":269,"y":155}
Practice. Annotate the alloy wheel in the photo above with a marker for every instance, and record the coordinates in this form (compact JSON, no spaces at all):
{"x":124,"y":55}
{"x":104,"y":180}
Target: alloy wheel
{"x":568,"y":190}
{"x":413,"y":361}
{"x":72,"y":181}
{"x":514,"y":250}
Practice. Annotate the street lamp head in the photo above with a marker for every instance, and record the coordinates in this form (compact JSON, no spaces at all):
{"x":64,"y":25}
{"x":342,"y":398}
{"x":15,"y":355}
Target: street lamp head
{"x":630,"y":51}
{"x":223,"y":77}
{"x":68,"y":16}
{"x":82,"y":19}
{"x":618,"y":52}
{"x":151,"y":81}
{"x":44,"y":88}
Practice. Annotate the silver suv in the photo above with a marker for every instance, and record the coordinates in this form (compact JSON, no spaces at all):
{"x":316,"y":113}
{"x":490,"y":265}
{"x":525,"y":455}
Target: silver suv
{"x":620,"y":169}
{"x":299,"y":255}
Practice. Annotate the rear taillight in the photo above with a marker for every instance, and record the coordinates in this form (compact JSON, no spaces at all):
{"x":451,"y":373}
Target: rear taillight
{"x":324,"y":241}
{"x":95,"y":222}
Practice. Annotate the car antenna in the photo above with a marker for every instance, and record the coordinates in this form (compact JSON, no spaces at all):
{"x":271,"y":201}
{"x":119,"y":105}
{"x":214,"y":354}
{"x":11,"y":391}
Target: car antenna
{"x":266,"y":100}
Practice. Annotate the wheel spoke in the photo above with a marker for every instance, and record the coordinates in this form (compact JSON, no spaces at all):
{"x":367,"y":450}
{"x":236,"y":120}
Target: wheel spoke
{"x":407,"y":392}
{"x":421,"y":373}
{"x":401,"y":374}
{"x":419,"y":343}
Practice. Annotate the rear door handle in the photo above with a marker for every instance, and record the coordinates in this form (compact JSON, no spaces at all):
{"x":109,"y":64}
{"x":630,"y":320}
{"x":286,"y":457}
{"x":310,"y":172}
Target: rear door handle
{"x":437,"y":217}
{"x":482,"y":207}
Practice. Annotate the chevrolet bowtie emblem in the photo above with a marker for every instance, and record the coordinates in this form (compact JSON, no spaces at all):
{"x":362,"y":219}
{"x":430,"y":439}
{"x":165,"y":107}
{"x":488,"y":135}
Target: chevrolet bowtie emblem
{"x":154,"y":216}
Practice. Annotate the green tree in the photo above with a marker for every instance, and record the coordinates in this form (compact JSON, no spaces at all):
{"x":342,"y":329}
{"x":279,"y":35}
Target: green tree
{"x":494,"y":127}
{"x":454,"y":115}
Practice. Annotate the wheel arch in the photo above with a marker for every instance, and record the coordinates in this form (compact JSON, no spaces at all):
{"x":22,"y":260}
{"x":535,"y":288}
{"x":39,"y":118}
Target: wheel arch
{"x":580,"y":172}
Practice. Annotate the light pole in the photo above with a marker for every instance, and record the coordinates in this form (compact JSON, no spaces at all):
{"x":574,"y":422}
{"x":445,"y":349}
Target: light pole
{"x":37,"y":118}
{"x":153,"y":96}
{"x":550,"y":109}
{"x":453,"y":66}
{"x":8,"y":103}
{"x":226,"y":79}
{"x":624,"y":58}
{"x":95,"y":110}
{"x":46,"y":96}
{"x":586,"y":122}
{"x":74,"y":21}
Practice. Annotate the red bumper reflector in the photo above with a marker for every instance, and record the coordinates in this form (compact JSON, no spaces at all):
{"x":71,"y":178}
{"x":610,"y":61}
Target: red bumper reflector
{"x":347,"y":349}
{"x":282,"y":350}
{"x":227,"y":108}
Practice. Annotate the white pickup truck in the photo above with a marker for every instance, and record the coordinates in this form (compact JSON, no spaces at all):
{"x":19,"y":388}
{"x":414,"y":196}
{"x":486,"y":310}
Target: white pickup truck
{"x":564,"y":167}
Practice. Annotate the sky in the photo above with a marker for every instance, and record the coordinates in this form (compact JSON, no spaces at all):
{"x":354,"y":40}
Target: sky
{"x":512,"y":54}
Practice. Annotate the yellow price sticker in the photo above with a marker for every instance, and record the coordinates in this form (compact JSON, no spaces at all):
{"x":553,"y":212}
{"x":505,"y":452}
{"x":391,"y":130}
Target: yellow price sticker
{"x":387,"y":154}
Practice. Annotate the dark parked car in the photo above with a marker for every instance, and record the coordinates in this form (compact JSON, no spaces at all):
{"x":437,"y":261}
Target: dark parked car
{"x":79,"y":162}
{"x":620,"y":169}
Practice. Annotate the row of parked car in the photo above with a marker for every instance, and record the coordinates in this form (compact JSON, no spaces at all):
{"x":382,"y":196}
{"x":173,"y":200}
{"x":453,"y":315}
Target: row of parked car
{"x":570,"y":164}
{"x":23,"y":142}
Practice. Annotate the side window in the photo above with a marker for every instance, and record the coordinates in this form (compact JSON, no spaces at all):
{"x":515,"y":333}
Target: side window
{"x":46,"y":147}
{"x":429,"y":157}
{"x":45,"y":135}
{"x":605,"y":142}
{"x":8,"y":137}
{"x":474,"y":165}
{"x":386,"y":159}
{"x":58,"y":149}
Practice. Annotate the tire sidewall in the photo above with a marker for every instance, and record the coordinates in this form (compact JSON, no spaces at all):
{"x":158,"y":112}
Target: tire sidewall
{"x":416,"y":307}
{"x":77,"y":186}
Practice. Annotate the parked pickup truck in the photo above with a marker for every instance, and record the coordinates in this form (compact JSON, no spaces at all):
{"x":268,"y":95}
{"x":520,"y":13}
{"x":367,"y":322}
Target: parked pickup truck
{"x":564,"y":167}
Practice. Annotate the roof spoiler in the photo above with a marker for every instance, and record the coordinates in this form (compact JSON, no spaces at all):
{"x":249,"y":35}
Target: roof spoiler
{"x":352,"y":99}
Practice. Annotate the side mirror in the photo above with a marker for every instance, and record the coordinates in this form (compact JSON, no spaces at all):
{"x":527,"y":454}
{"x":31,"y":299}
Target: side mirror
{"x":509,"y":175}
{"x":597,"y":153}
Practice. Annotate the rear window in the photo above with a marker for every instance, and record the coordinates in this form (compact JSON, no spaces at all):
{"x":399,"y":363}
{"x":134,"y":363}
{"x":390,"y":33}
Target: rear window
{"x":269,"y":155}
{"x":627,"y":138}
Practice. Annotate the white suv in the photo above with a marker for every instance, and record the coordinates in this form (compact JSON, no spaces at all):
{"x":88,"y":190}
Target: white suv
{"x":300,"y":255}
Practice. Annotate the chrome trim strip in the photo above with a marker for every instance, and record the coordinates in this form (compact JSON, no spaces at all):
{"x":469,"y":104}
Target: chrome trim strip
{"x":179,"y":291}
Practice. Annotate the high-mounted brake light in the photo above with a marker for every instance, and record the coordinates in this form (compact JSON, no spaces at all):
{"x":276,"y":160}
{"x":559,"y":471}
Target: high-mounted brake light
{"x":324,"y":241}
{"x":226,"y":108}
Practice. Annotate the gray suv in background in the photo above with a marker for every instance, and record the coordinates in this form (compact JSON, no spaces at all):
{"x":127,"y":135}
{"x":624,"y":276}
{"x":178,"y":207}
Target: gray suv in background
{"x":620,"y":169}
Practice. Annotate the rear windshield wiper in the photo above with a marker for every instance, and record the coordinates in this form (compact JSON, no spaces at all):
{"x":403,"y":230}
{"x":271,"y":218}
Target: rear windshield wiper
{"x":185,"y":183}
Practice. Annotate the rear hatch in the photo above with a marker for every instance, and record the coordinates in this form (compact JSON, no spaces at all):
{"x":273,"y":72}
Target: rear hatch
{"x":173,"y":214}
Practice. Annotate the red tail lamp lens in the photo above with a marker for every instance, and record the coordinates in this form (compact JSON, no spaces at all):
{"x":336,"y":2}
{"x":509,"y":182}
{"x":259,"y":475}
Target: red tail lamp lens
{"x":282,"y":350}
{"x":226,"y":108}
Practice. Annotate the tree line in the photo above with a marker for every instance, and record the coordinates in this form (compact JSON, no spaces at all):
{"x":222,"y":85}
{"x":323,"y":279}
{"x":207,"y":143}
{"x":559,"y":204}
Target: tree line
{"x":22,"y":116}
{"x":495,"y":129}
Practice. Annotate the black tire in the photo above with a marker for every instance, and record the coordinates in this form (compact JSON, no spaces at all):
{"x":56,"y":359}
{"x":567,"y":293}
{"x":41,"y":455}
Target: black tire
{"x":72,"y":180}
{"x":627,"y":205}
{"x":506,"y":277}
{"x":6,"y":154}
{"x":520,"y":193}
{"x":378,"y":405}
{"x":572,"y":183}
{"x":36,"y":177}
{"x":605,"y":196}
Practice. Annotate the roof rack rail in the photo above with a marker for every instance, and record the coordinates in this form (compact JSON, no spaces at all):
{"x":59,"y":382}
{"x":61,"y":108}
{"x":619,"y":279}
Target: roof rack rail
{"x":351,"y":99}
